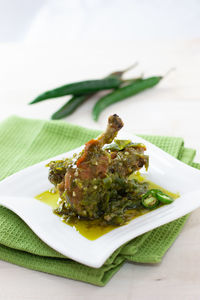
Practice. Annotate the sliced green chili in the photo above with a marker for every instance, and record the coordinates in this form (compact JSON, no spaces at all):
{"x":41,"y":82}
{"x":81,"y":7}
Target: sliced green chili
{"x":123,"y":93}
{"x":164,"y":198}
{"x":119,"y":145}
{"x":153,"y":197}
{"x":122,"y":143}
{"x":149,"y":200}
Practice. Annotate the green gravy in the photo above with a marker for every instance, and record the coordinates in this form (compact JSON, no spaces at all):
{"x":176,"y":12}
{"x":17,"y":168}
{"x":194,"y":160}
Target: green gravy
{"x":92,"y":230}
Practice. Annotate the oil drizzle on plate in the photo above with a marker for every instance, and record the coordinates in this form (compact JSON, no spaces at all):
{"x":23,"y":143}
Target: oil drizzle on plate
{"x":89,"y":229}
{"x":92,"y":230}
{"x":153,"y":185}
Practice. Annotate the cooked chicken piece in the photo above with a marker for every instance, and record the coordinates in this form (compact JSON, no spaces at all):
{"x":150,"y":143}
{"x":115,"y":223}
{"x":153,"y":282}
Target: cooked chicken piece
{"x":89,"y":185}
{"x":93,"y":163}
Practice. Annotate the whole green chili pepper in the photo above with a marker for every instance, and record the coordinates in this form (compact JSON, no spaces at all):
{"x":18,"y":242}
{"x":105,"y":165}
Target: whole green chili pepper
{"x":123,"y":93}
{"x":69,"y":107}
{"x":80,"y":88}
{"x":85,"y":87}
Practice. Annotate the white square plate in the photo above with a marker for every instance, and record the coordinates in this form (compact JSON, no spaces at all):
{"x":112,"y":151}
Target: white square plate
{"x":164,"y":170}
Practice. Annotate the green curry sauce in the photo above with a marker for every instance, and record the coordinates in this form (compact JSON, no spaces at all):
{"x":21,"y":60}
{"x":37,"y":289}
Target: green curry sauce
{"x":92,"y":230}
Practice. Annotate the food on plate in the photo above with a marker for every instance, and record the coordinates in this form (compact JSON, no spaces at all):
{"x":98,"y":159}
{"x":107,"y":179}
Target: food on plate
{"x":99,"y":182}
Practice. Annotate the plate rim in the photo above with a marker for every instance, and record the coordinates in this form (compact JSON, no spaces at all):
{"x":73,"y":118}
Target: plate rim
{"x":101,"y":260}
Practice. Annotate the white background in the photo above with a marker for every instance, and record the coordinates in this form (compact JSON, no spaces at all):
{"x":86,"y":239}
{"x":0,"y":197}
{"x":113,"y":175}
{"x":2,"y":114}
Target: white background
{"x":69,"y":20}
{"x":45,"y":43}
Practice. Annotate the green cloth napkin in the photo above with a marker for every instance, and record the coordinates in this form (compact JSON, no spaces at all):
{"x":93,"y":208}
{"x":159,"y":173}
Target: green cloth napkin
{"x":24,"y":142}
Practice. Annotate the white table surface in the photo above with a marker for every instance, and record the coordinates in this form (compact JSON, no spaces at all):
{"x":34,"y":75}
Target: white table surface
{"x":172,"y":108}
